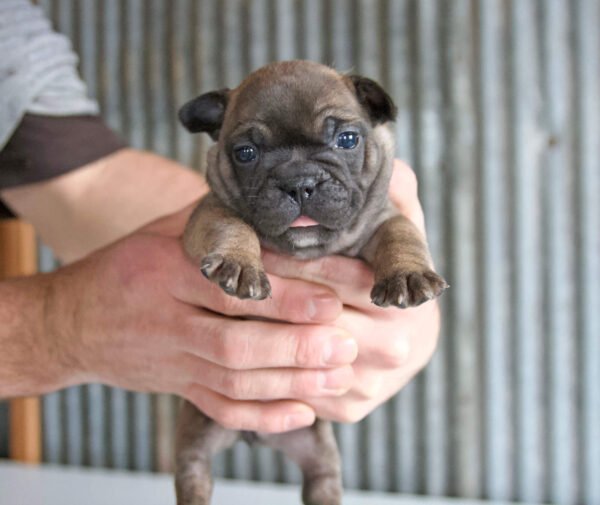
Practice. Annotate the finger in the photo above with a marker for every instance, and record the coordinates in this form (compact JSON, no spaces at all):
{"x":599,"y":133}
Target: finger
{"x":292,"y":300}
{"x":404,"y":194}
{"x":173,"y":224}
{"x":361,"y":400}
{"x":270,"y":384}
{"x":264,"y":417}
{"x":246,"y":345}
{"x":350,"y":279}
{"x":383,"y":343}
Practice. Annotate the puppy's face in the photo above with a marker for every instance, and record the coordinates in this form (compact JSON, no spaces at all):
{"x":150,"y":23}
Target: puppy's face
{"x":297,"y":149}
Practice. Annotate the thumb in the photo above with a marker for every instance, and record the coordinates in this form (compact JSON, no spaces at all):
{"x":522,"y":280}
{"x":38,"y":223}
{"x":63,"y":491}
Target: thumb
{"x":171,"y":225}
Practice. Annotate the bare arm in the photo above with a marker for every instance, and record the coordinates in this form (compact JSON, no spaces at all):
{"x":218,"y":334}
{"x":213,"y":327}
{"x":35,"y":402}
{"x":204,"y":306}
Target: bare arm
{"x":90,"y":207}
{"x":27,"y":363}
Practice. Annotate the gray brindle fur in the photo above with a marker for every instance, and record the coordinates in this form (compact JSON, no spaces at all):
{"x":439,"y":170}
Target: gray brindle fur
{"x":291,"y":115}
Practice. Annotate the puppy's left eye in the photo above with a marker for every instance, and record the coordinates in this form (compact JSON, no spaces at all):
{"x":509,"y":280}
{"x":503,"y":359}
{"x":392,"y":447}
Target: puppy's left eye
{"x":347,"y":140}
{"x":245,"y":154}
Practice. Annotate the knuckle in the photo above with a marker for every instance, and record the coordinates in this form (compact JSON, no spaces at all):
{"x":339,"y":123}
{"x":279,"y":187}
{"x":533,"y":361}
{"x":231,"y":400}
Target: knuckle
{"x":304,"y":384}
{"x":225,"y":304}
{"x":306,"y":348}
{"x":369,"y":388}
{"x":228,"y":418}
{"x":233,"y":350}
{"x":396,"y":354}
{"x":290,"y":306}
{"x":352,"y":413}
{"x":327,"y":267}
{"x":233,"y":386}
{"x":270,"y":424}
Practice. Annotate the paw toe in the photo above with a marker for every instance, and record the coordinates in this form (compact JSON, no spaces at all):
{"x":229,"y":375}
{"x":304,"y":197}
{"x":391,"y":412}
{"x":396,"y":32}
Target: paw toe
{"x":407,"y":289}
{"x":235,"y":277}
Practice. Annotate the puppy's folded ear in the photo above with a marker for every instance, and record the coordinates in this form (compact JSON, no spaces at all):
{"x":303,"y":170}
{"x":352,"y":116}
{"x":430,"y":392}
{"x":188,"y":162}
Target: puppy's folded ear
{"x":205,"y":113}
{"x":373,"y":98}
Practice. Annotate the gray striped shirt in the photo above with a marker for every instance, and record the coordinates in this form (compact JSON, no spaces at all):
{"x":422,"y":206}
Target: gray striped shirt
{"x":38,"y":71}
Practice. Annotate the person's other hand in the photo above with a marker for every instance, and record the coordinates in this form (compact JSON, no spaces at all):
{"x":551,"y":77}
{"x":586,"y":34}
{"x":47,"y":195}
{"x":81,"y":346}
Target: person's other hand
{"x":394,"y":344}
{"x":138,"y":314}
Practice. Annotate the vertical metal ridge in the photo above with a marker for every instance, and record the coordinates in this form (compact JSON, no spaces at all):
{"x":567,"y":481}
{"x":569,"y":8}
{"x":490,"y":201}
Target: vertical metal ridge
{"x":51,"y":427}
{"x":111,"y":64}
{"x":587,"y":68}
{"x":284,"y":29}
{"x":232,"y":40}
{"x":400,"y":17}
{"x":142,"y":430}
{"x":96,"y":453}
{"x":340,"y":35}
{"x":498,"y":444}
{"x":559,"y":241}
{"x":526,"y":144}
{"x":135,"y":109}
{"x":86,"y":44}
{"x":375,"y":450}
{"x":429,"y":161}
{"x":311,"y":30}
{"x":183,"y":74}
{"x":158,"y":102}
{"x":368,"y":50}
{"x":464,"y":322}
{"x":405,"y":420}
{"x":118,"y":439}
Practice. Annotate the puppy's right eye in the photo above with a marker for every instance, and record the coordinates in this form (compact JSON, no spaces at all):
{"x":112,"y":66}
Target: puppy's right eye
{"x":245,"y":154}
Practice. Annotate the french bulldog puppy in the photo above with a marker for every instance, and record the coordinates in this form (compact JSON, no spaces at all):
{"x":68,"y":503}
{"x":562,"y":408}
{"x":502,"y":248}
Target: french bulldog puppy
{"x":301,"y":165}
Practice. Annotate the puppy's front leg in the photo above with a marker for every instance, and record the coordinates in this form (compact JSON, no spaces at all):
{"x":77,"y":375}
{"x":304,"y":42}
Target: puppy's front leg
{"x":404,"y":275}
{"x":226,"y":249}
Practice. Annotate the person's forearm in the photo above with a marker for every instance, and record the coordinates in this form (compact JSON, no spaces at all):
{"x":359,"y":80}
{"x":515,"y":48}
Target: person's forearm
{"x":31,"y":361}
{"x":90,"y":207}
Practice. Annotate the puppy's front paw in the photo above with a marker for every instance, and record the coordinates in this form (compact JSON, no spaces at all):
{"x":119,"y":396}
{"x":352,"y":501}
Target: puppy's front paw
{"x":236,"y":277}
{"x":407,"y":289}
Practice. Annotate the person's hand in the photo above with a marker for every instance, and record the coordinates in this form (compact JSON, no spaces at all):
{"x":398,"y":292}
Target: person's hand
{"x":138,"y":314}
{"x":394,"y":344}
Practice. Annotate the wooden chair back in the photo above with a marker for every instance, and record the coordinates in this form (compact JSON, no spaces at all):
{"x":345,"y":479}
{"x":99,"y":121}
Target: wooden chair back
{"x":18,"y":256}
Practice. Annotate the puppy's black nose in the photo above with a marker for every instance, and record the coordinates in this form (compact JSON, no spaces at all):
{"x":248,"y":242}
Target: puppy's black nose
{"x":300,"y":189}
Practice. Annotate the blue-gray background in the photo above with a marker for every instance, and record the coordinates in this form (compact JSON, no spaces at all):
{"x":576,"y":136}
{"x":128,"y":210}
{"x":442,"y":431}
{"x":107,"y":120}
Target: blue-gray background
{"x":500,"y":117}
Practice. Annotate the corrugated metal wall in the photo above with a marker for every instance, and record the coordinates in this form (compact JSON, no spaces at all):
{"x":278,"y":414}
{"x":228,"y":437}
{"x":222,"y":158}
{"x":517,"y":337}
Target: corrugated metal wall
{"x":500,"y":117}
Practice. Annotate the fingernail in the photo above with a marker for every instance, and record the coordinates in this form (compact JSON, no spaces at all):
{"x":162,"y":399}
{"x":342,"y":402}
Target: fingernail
{"x":341,"y":351}
{"x":323,"y":307}
{"x":335,"y":381}
{"x":298,"y":420}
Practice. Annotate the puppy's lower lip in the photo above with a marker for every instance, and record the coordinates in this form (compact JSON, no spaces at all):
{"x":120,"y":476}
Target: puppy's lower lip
{"x":302,"y":222}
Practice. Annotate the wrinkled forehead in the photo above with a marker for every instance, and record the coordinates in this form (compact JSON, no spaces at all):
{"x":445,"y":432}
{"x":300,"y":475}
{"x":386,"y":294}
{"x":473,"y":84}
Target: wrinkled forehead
{"x":292,"y":101}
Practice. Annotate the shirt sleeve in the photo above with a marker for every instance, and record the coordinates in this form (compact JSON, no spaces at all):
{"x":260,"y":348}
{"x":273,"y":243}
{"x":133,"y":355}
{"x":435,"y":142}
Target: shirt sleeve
{"x":43,"y":147}
{"x":38,"y":69}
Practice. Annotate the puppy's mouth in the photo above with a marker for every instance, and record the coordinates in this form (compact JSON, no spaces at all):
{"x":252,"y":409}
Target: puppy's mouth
{"x":303,"y":222}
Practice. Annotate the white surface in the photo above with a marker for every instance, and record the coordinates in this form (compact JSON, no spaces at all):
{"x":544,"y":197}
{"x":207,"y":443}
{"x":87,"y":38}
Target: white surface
{"x":52,"y":485}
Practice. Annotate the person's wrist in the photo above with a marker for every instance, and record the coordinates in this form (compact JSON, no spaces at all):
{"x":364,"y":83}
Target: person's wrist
{"x":61,"y":328}
{"x":28,"y":363}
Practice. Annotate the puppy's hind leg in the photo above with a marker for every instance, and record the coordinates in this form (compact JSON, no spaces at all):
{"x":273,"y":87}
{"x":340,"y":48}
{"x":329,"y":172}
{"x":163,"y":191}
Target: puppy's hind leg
{"x":315,"y":450}
{"x":198,"y":439}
